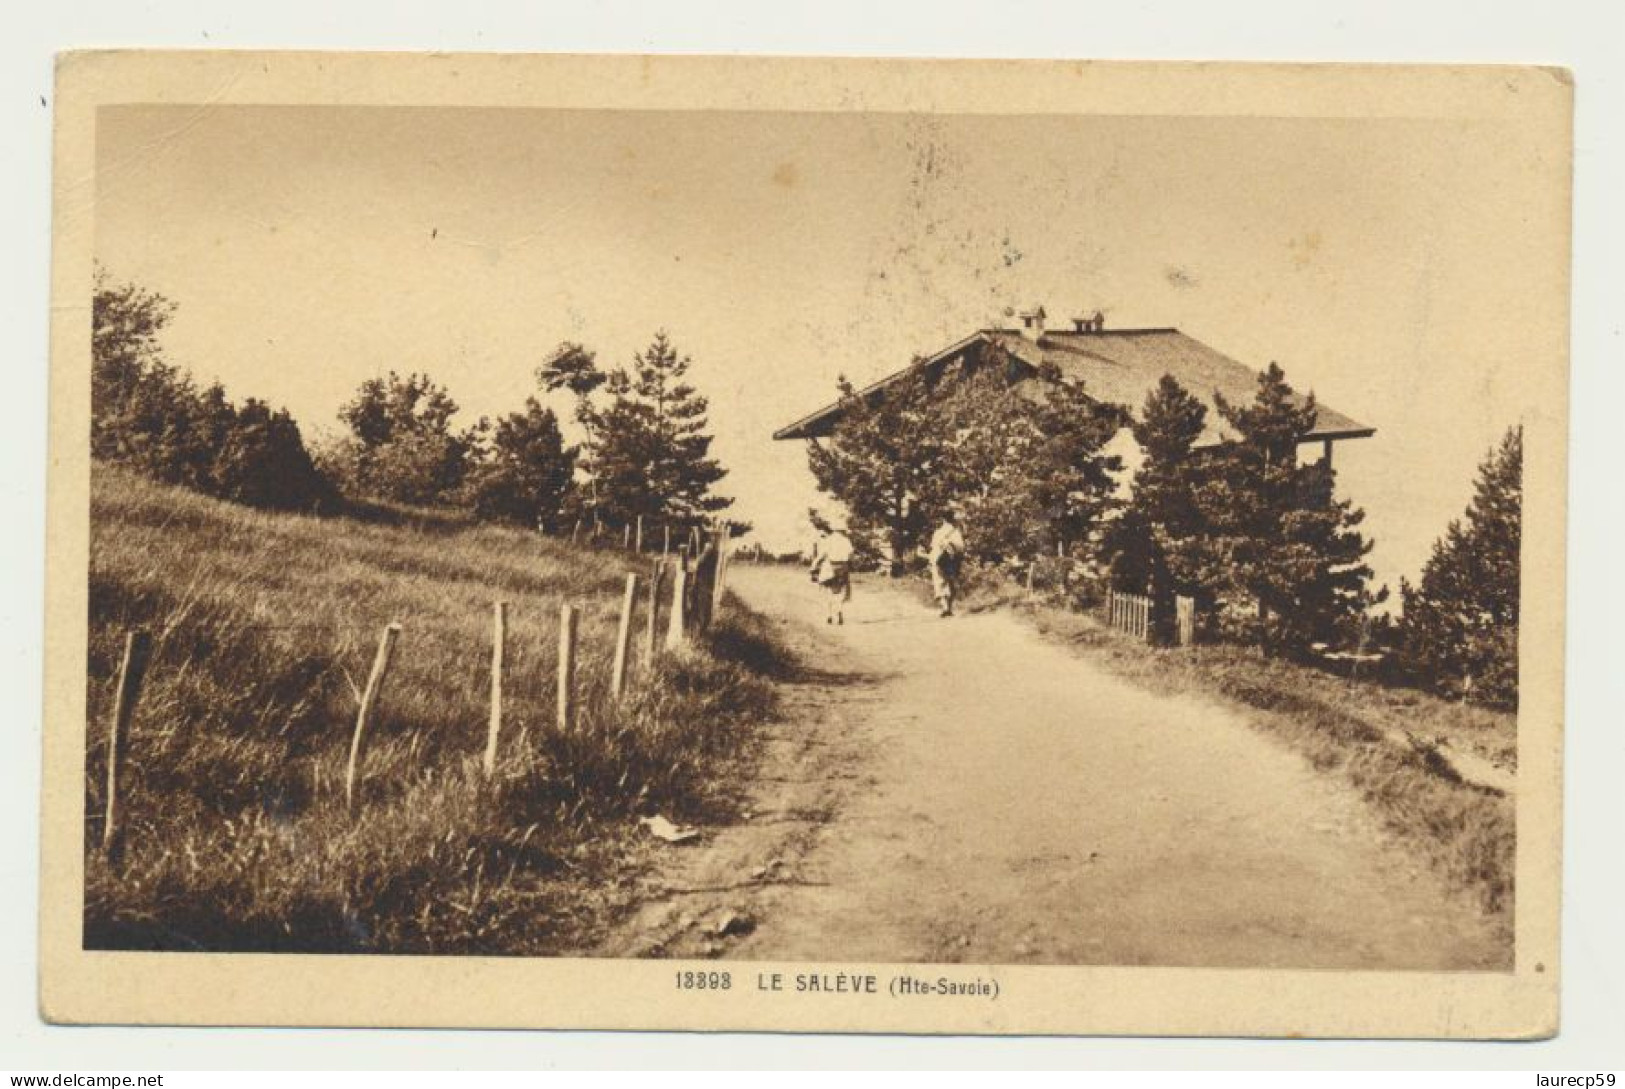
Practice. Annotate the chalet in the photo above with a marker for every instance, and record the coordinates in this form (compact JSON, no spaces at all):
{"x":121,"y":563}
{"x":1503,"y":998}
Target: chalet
{"x":1115,"y":366}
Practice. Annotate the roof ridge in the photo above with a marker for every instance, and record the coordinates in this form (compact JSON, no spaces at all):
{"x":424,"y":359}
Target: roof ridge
{"x":1111,"y":332}
{"x":1200,"y":367}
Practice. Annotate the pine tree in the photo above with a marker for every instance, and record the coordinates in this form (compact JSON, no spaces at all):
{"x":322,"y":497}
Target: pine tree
{"x":1161,"y":546}
{"x":573,"y":368}
{"x":1459,"y":628}
{"x":882,"y":463}
{"x":1069,"y":483}
{"x":649,"y":447}
{"x":1277,"y":529}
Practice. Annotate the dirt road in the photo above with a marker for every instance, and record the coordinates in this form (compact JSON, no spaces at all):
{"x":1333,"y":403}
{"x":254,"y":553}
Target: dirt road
{"x":962,"y":791}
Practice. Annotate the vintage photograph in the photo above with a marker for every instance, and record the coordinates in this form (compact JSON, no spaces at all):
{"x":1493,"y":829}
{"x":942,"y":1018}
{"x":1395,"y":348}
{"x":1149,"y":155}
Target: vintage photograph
{"x":831,"y":537}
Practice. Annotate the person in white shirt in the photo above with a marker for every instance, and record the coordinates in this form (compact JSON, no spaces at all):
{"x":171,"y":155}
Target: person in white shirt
{"x":945,"y":556}
{"x":832,"y":569}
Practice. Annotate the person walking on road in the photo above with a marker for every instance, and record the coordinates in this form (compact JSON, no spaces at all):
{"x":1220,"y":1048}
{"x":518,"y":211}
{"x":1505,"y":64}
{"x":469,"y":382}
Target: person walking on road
{"x":831,"y":568}
{"x":946,"y":555}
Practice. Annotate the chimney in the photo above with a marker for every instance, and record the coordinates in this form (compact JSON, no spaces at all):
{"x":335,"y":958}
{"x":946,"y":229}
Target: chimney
{"x":1032,"y":323}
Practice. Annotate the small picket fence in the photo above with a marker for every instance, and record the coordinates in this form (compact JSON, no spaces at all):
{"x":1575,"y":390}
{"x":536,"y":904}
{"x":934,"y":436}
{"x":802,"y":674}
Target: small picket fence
{"x":1130,"y":613}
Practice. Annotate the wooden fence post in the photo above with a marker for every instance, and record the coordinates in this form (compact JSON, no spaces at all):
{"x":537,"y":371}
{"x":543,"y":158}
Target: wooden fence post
{"x":639,"y":539}
{"x":369,"y":701}
{"x":679,"y":591}
{"x":499,"y":641}
{"x":575,"y":531}
{"x":567,"y":668}
{"x":626,"y":536}
{"x":718,"y":571}
{"x":1032,"y":566}
{"x":665,"y":540}
{"x":623,"y":638}
{"x":655,"y":578}
{"x":132,"y":668}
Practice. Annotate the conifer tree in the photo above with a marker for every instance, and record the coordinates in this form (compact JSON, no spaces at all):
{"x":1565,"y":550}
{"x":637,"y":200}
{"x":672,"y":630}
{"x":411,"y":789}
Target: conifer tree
{"x":1459,"y":628}
{"x":573,"y":368}
{"x":1276,"y":527}
{"x":1161,"y":546}
{"x":650,"y":447}
{"x":882,"y":463}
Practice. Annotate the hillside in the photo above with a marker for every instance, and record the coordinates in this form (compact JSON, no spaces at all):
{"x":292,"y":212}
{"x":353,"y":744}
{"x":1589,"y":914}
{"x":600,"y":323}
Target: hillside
{"x":264,"y":627}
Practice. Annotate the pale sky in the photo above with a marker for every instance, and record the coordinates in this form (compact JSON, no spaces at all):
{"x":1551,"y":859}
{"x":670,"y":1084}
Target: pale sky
{"x":1386,"y":264}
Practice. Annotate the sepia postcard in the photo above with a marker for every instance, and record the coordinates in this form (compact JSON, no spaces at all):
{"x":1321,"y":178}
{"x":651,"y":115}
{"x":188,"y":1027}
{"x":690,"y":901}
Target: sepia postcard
{"x":806,"y":545}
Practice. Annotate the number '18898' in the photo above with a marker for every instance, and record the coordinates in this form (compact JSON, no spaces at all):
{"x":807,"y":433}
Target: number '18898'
{"x":704,"y":981}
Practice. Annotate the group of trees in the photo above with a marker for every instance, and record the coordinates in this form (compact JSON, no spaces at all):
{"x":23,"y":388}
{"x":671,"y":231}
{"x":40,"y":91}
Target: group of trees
{"x":402,"y":445}
{"x":1254,"y":534}
{"x":1028,"y":474}
{"x":150,"y":415}
{"x":1023,"y":459}
{"x":645,"y":447}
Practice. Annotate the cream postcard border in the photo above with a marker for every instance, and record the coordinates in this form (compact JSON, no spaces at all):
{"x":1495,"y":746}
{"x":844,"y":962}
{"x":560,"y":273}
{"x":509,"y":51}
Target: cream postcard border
{"x":80,"y":986}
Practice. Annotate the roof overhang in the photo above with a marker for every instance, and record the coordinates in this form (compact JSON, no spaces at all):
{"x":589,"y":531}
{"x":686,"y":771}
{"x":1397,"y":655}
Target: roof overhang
{"x":819,"y":424}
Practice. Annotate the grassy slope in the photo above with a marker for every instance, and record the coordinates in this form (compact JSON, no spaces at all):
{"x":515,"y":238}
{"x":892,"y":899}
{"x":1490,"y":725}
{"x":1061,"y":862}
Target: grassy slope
{"x":263,"y":625}
{"x":1344,"y":728}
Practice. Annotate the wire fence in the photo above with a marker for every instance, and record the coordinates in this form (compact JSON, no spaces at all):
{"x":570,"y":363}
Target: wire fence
{"x":691,"y":585}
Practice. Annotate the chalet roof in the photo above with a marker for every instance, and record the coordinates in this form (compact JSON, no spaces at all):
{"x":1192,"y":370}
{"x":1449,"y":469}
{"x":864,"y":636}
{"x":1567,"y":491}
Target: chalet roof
{"x":1119,"y":366}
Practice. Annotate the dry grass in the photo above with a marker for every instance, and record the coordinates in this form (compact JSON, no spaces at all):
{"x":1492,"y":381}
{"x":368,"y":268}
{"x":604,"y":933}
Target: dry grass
{"x":263,"y":626}
{"x":1344,"y":728}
